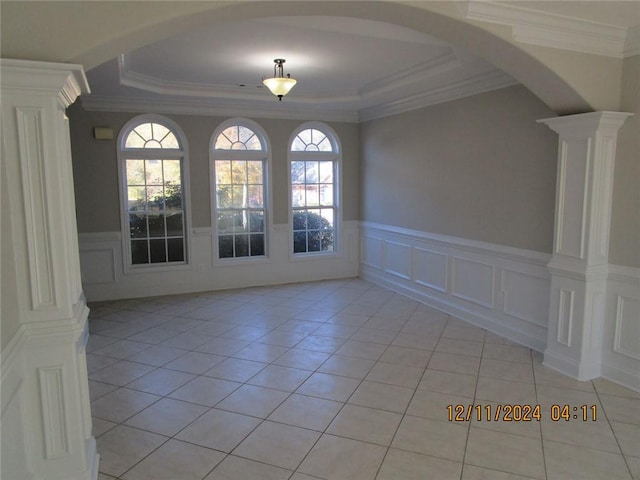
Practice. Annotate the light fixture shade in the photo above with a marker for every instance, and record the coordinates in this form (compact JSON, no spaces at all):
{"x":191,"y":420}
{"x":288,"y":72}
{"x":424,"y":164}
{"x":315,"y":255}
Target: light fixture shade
{"x":279,"y":86}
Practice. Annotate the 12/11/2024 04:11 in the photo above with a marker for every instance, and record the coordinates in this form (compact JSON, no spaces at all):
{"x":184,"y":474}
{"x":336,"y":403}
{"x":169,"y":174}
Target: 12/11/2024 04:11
{"x":519,"y":413}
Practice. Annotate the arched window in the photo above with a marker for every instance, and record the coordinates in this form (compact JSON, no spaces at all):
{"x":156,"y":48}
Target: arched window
{"x":314,"y":162}
{"x":152,"y":156}
{"x":239,"y":153}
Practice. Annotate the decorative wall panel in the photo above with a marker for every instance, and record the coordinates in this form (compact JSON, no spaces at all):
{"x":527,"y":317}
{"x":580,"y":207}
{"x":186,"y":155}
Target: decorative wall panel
{"x":397,"y":259}
{"x":430,"y":268}
{"x":525,"y":296}
{"x":565,"y":316}
{"x":627,"y":329}
{"x":472,"y":281}
{"x":460,"y":276}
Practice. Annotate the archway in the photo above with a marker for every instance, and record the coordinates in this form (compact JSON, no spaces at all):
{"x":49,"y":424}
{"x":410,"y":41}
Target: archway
{"x":111,"y":28}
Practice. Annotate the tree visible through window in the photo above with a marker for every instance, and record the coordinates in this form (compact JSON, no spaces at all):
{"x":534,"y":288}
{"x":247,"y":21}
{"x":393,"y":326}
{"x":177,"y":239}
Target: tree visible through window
{"x":240,"y":208}
{"x":313,"y":164}
{"x":152,"y":159}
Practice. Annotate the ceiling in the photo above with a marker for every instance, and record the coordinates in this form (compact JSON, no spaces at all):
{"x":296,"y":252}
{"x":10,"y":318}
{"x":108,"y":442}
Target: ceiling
{"x":347,"y":68}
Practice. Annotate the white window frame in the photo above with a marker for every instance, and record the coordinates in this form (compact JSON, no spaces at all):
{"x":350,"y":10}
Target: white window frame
{"x":153,"y":153}
{"x":336,"y":156}
{"x":265,"y":156}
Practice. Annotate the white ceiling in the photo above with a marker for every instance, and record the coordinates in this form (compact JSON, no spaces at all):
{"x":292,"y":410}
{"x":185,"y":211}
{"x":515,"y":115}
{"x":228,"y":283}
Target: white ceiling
{"x":347,"y":68}
{"x":343,"y":66}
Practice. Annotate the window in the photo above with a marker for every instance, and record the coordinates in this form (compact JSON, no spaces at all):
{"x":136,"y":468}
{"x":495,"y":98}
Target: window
{"x":313,"y":156}
{"x":239,"y":162}
{"x":151,"y":159}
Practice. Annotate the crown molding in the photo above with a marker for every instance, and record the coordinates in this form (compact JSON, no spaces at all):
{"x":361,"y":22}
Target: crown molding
{"x":293,"y":110}
{"x":130,"y":78}
{"x":198,"y":106}
{"x":551,"y":30}
{"x":444,"y":62}
{"x":482,"y":83}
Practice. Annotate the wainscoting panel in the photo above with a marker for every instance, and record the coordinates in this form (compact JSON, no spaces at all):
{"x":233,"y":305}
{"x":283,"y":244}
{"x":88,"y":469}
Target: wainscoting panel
{"x":472,"y":281}
{"x":430,"y":268}
{"x":525,"y":296}
{"x":621,"y":347}
{"x":397,"y":259}
{"x":627,"y":329}
{"x":105,"y":278}
{"x":372,"y":251}
{"x":502,"y":289}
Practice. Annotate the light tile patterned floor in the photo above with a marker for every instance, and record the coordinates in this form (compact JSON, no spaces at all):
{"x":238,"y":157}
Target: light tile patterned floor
{"x":334,"y":380}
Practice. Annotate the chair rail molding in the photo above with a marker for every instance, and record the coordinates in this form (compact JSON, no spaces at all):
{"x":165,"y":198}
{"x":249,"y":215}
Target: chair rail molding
{"x":579,"y":265}
{"x":46,"y":417}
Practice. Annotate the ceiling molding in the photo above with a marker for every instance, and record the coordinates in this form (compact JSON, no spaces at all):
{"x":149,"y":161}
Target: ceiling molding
{"x":416,"y":74}
{"x":148,"y":83}
{"x":484,"y":82}
{"x":130,"y":78}
{"x":193,"y":106}
{"x":551,"y":30}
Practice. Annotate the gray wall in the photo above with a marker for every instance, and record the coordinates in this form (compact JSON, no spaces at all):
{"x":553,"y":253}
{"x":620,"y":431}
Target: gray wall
{"x":96,"y":177}
{"x":479,"y":168}
{"x":624,"y":248}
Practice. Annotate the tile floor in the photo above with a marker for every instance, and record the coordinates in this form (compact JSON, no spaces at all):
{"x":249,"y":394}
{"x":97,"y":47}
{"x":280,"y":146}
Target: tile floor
{"x":335,"y":380}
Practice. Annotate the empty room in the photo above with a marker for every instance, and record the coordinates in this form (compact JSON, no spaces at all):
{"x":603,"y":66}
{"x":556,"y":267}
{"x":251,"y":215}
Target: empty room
{"x":320,"y":240}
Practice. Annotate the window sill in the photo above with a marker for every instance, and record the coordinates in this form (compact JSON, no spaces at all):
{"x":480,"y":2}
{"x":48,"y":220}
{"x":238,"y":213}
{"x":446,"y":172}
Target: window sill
{"x":239,"y":261}
{"x":153,"y":268}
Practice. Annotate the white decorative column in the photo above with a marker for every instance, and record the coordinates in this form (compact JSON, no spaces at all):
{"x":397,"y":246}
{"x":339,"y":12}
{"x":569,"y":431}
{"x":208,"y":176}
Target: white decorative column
{"x":46,"y":418}
{"x":579,"y":265}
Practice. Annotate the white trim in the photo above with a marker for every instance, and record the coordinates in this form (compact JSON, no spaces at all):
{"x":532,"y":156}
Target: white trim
{"x":411,"y":76}
{"x":336,"y":157}
{"x":621,"y":362}
{"x":205,"y":276}
{"x":43,"y":392}
{"x":182,"y":154}
{"x":63,"y":80}
{"x":552,"y":30}
{"x":480,"y":299}
{"x":480,"y":83}
{"x":208,"y":107}
{"x":292,"y":110}
{"x":503,"y":251}
{"x":617,"y":346}
{"x":263,"y":155}
{"x":622,"y":273}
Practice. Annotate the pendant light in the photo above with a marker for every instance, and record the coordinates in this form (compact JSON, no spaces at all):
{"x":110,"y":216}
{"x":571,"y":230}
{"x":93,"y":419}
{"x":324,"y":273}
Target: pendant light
{"x":279,"y":84}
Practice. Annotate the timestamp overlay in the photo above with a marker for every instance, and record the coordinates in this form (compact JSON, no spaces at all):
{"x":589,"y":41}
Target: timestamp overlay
{"x":521,"y":413}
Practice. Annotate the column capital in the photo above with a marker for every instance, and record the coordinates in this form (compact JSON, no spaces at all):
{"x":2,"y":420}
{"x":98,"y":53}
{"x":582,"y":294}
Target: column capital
{"x":586,"y":123}
{"x":66,"y":81}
